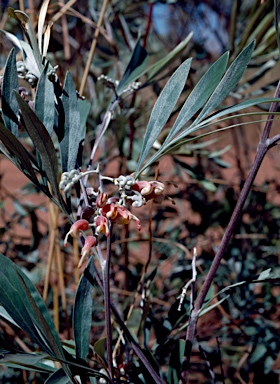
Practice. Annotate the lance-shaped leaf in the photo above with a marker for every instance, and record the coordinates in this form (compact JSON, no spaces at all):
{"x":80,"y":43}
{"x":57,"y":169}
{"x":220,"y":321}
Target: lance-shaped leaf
{"x":175,"y":363}
{"x":82,"y":317}
{"x":27,"y":361}
{"x":27,"y":53}
{"x":163,"y":108}
{"x":135,"y":67}
{"x":43,"y":143}
{"x":9,"y":102}
{"x":44,"y":101}
{"x":24,"y":304}
{"x":13,"y":285}
{"x":27,"y":26}
{"x":58,"y":377}
{"x":73,"y":134}
{"x":224,"y":112}
{"x":228,"y":82}
{"x":199,"y":95}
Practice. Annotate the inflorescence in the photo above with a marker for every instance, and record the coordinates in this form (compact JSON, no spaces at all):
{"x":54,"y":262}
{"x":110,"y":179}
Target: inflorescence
{"x":104,"y":210}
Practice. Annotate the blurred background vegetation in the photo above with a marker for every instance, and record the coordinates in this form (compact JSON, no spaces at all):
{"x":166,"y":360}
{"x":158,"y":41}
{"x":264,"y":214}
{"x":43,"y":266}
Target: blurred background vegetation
{"x":238,"y":341}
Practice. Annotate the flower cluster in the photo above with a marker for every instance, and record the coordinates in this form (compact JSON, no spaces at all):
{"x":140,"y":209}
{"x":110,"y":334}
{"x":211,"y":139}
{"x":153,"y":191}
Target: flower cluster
{"x":105,"y":210}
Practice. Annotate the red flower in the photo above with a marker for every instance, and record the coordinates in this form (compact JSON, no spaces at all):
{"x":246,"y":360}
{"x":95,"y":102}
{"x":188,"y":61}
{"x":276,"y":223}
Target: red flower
{"x":150,"y":190}
{"x":102,"y":226}
{"x":119,"y":214}
{"x":86,"y":250}
{"x":76,"y":229}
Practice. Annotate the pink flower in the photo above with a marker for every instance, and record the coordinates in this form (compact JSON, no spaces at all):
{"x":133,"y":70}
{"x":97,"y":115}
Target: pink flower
{"x":102,"y":226}
{"x":76,"y":229}
{"x":86,"y":250}
{"x":119,"y":214}
{"x":150,"y":190}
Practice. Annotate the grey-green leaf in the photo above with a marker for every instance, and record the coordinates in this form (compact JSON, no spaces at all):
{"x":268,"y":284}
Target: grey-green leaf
{"x":199,"y":95}
{"x":73,"y":133}
{"x":43,"y":143}
{"x":26,"y":361}
{"x":175,"y":363}
{"x":9,"y":102}
{"x":228,"y":82}
{"x":27,"y":25}
{"x":135,"y":67}
{"x":58,"y":377}
{"x":82,"y":317}
{"x":14,"y":299}
{"x":163,"y":108}
{"x":44,"y":101}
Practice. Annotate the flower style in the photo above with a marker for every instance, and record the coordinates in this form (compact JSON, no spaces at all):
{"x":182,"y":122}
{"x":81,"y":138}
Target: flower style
{"x":76,"y":229}
{"x":101,"y":199}
{"x":150,"y":190}
{"x":86,"y":250}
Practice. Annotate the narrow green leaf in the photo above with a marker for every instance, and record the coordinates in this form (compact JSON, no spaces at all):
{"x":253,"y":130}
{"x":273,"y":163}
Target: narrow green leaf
{"x":9,"y":102}
{"x":228,"y":82}
{"x":27,"y":26}
{"x":175,"y":364}
{"x":14,"y":300}
{"x":58,"y":377}
{"x":40,"y":314}
{"x":43,"y":143}
{"x":135,"y":67}
{"x":234,"y":108}
{"x":205,"y":123}
{"x":24,"y":304}
{"x":44,"y":101}
{"x":73,"y":133}
{"x":258,"y":353}
{"x":264,"y":274}
{"x":163,"y":108}
{"x":100,"y":347}
{"x":28,"y":361}
{"x":84,"y":108}
{"x":199,"y":95}
{"x":82,"y":317}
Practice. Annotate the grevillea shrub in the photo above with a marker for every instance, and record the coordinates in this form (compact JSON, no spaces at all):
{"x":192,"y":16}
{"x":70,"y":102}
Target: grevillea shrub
{"x":44,"y":135}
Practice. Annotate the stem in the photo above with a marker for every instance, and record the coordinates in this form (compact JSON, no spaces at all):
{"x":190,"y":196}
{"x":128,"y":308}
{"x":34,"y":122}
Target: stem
{"x":107,"y":301}
{"x":127,"y":333}
{"x":149,"y":23}
{"x":261,"y":151}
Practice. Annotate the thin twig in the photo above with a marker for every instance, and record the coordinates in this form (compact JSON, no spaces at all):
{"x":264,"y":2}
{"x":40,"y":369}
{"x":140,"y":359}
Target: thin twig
{"x":107,"y":300}
{"x":63,"y":10}
{"x":190,"y":282}
{"x":93,"y":46}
